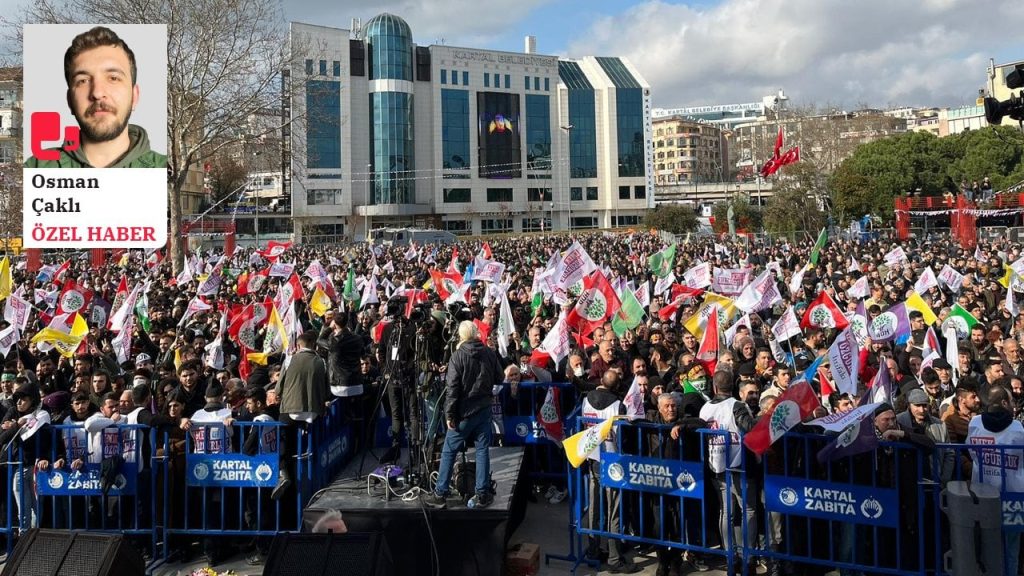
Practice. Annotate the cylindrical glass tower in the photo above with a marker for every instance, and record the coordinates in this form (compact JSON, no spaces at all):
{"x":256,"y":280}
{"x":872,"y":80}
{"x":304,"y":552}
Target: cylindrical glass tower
{"x":389,"y":46}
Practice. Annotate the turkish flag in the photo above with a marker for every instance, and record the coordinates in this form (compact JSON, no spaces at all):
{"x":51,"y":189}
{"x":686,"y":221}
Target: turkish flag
{"x":792,"y":155}
{"x":778,"y":143}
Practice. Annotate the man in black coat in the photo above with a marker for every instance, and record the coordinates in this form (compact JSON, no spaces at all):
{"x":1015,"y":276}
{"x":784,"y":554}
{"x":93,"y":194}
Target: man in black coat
{"x":473,"y":372}
{"x":344,"y":349}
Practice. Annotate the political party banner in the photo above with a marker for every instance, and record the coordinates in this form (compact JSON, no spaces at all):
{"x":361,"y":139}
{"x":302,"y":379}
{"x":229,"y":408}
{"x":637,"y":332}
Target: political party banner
{"x":832,"y":501}
{"x":661,"y":476}
{"x":231,"y":470}
{"x":86,"y":481}
{"x":730,"y":282}
{"x":839,"y":421}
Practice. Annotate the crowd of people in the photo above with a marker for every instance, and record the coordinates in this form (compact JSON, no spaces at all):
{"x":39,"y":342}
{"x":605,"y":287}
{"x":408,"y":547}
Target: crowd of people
{"x":212,"y":344}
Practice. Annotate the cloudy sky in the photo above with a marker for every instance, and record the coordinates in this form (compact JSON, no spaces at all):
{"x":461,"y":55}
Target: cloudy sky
{"x":840,"y":52}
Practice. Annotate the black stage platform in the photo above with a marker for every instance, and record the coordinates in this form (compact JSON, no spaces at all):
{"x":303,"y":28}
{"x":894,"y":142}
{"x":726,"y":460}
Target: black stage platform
{"x":469,"y":542}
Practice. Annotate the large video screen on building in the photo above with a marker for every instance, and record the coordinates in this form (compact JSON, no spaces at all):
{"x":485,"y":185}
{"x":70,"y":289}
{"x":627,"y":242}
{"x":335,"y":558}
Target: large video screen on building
{"x":498,"y":134}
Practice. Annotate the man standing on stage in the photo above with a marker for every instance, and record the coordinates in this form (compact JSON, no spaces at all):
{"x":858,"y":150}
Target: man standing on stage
{"x":473,"y":372}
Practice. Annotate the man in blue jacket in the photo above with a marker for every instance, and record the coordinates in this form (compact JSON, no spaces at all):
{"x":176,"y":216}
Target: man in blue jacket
{"x":473,"y":372}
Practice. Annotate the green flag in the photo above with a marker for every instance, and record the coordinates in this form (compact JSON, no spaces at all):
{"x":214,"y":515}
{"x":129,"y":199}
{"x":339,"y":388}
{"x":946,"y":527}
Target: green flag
{"x":536,"y":302}
{"x":629,"y":315}
{"x":661,"y":262}
{"x":822,"y":238}
{"x":142,"y":311}
{"x":961,"y":320}
{"x":350,"y":293}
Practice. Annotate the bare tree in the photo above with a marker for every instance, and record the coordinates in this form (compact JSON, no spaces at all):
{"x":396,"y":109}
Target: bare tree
{"x":225,"y":59}
{"x":10,"y":203}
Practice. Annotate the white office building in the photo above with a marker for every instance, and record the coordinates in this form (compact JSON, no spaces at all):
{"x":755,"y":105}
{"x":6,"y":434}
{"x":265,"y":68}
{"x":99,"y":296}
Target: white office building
{"x":388,"y":133}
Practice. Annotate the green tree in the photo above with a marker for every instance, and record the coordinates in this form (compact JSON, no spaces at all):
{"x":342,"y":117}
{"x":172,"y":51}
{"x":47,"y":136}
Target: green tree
{"x":747,"y":215}
{"x":673,"y":218}
{"x":796,"y":200}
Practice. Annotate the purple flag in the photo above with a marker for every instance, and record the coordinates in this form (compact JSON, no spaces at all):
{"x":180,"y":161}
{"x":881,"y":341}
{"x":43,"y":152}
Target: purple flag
{"x":891,"y":324}
{"x":880,"y":389}
{"x":857,"y":438}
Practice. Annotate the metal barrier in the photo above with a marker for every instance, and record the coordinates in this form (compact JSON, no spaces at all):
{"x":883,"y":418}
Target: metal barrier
{"x":875,"y":511}
{"x":655,"y":489}
{"x":515,"y":411}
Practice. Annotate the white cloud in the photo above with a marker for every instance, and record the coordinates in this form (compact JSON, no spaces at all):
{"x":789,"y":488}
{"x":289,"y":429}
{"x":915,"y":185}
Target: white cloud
{"x":880,"y":52}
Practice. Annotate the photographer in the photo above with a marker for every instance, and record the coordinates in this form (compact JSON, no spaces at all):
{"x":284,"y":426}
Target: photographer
{"x":473,"y":373}
{"x":395,"y":353}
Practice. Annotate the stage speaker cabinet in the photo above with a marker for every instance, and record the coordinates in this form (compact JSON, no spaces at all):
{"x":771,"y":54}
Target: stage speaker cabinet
{"x":352,"y":554}
{"x":71,"y":553}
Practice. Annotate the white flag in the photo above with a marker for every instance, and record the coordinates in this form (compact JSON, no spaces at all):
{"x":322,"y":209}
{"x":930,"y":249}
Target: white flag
{"x":643,"y":294}
{"x":17,"y":311}
{"x":487,"y":270}
{"x":663,"y":285}
{"x":798,"y":279}
{"x":786,"y":326}
{"x":122,"y":314}
{"x":978,"y":255}
{"x":194,"y":306}
{"x":699,"y":276}
{"x":854,"y":265}
{"x":730,"y":334}
{"x":215,"y":349}
{"x":952,"y":350}
{"x":844,"y":359}
{"x":506,"y":324}
{"x":8,"y":338}
{"x":760,"y":294}
{"x":1011,"y":304}
{"x":634,"y":401}
{"x":926,"y":281}
{"x":951,"y":278}
{"x":369,"y":295}
{"x":122,"y":343}
{"x":558,"y":342}
{"x":895,"y":256}
{"x":575,"y":264}
{"x":859,"y":289}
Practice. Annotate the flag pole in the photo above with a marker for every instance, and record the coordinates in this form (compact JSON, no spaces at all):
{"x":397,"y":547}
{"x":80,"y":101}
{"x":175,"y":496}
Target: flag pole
{"x":792,"y":358}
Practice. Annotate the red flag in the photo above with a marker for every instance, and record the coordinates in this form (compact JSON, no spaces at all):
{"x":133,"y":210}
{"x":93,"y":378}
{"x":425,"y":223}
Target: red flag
{"x":453,"y":266}
{"x":794,"y":406}
{"x":414,"y":297}
{"x":683,"y":291}
{"x":484,"y":328}
{"x":119,"y":297}
{"x":274,"y":250}
{"x":824,"y":313}
{"x":596,"y":305}
{"x":58,"y":275}
{"x":540,"y":359}
{"x":550,"y":415}
{"x":377,"y":332}
{"x":485,"y":251}
{"x":446,"y":283}
{"x":778,"y":143}
{"x":792,"y":155}
{"x":249,"y":283}
{"x":155,"y":259}
{"x":770,"y":167}
{"x":826,"y":385}
{"x":73,"y":298}
{"x":707,"y":354}
{"x":295,"y":287}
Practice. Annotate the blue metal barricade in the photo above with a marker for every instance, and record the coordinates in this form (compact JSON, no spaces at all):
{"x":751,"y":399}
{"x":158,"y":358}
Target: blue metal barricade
{"x":515,"y":412}
{"x":873,"y":512}
{"x":649,"y":487}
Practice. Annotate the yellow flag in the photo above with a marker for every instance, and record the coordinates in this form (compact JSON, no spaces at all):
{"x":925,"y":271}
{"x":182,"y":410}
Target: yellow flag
{"x":727,"y":312}
{"x":320,"y":302}
{"x":1007,"y":276}
{"x":583,"y":444}
{"x":177,"y":359}
{"x":275,"y":322}
{"x":257,"y":358}
{"x":65,"y":342}
{"x":915,"y":302}
{"x":6,"y":278}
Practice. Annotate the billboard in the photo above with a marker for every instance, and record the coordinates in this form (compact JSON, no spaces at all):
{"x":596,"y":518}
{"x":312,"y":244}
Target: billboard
{"x":498,"y":134}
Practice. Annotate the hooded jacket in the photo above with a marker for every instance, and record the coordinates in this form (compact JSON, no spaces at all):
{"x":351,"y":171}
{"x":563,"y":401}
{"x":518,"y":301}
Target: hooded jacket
{"x":473,"y":372}
{"x":138,"y":155}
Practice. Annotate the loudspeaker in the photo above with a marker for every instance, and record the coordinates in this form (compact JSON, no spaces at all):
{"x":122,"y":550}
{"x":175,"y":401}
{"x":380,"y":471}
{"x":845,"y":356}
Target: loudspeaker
{"x":356,"y":553}
{"x":70,"y":553}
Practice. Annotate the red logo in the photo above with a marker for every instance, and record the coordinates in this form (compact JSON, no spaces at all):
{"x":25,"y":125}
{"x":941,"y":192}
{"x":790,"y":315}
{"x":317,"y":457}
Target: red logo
{"x":46,"y":128}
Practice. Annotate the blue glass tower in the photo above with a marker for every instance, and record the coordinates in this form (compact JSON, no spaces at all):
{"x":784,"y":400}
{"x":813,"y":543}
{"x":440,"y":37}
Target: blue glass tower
{"x":389,"y":47}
